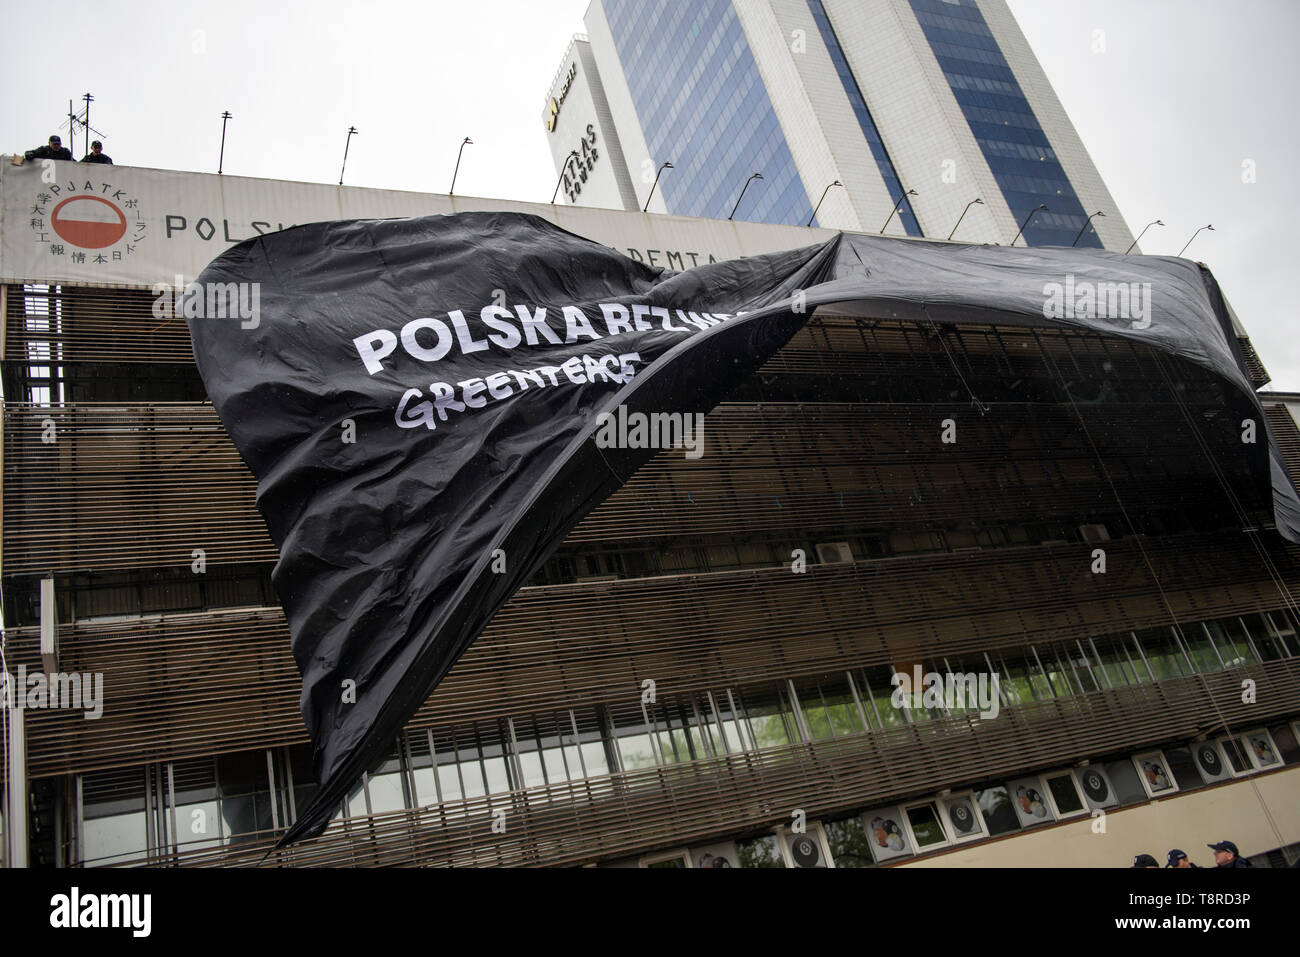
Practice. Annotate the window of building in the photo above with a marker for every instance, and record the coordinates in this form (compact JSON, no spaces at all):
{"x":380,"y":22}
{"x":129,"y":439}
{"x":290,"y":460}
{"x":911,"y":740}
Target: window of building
{"x":1236,"y":755}
{"x":761,"y":851}
{"x":925,"y":826}
{"x":998,"y":810}
{"x":829,"y":707}
{"x":668,"y":859}
{"x":114,"y":825}
{"x":1113,"y":661}
{"x":876,"y":688}
{"x":1182,"y":766}
{"x":848,"y":842}
{"x":1064,"y":794}
{"x":1273,"y":638}
{"x":1287,"y":738}
{"x":245,"y":794}
{"x":1203,"y":649}
{"x":769,"y":717}
{"x":633,"y":740}
{"x":1124,"y":783}
{"x":1163,"y":653}
{"x":196,"y":818}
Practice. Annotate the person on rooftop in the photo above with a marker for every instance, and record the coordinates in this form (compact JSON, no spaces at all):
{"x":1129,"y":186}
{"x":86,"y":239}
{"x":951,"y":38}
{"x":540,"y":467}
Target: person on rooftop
{"x":55,"y":150}
{"x":97,"y":154}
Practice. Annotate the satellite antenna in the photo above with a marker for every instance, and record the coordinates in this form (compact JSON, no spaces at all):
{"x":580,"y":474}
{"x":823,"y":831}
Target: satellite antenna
{"x":82,"y":120}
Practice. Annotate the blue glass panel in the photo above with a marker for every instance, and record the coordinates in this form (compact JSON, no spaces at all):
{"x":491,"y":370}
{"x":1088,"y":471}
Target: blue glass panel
{"x":869,"y":130}
{"x":1002,"y":122}
{"x":703,"y":106}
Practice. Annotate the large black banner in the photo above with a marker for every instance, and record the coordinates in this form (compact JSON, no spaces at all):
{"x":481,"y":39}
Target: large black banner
{"x":430,"y":405}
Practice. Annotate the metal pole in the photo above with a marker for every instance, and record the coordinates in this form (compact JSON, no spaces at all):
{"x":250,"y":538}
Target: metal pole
{"x":346,"y":144}
{"x":1194,"y":235}
{"x":910,"y":192}
{"x":221,"y":160}
{"x":573,"y":154}
{"x":820,"y":201}
{"x":752,"y":177}
{"x":1026,"y":223}
{"x":1154,"y":222}
{"x":666,"y":165}
{"x":1085,"y":226}
{"x":72,"y":130}
{"x":88,"y":99}
{"x":456,"y":172}
{"x":963,"y":215}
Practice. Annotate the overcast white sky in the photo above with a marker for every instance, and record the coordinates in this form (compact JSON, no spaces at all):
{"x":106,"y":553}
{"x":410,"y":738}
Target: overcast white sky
{"x":1185,"y":91}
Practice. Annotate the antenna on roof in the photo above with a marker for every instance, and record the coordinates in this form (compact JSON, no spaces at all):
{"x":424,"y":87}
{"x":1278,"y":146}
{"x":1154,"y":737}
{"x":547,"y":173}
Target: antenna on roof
{"x":81,"y":119}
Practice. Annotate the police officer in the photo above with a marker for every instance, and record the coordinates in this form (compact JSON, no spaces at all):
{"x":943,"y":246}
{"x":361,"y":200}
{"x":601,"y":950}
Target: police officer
{"x":55,"y":151}
{"x":1179,"y":858}
{"x":1225,"y":855}
{"x":97,"y":154}
{"x":1145,"y":860}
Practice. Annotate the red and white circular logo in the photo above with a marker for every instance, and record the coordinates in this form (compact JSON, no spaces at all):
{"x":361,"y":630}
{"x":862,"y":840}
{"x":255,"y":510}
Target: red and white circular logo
{"x":90,"y":222}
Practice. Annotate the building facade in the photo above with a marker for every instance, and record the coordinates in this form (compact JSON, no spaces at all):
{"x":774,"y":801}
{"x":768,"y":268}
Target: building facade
{"x":913,"y":108}
{"x":704,"y":674}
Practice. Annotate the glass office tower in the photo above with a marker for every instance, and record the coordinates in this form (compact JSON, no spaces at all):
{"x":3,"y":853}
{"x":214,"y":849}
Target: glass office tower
{"x":893,"y":115}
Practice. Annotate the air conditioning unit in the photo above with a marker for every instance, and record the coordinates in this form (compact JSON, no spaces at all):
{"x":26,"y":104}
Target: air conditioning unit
{"x":1093,"y":534}
{"x":809,"y":849}
{"x":715,"y":855}
{"x":834,"y":553}
{"x":1095,"y":784}
{"x":963,"y":817}
{"x":1209,"y":761}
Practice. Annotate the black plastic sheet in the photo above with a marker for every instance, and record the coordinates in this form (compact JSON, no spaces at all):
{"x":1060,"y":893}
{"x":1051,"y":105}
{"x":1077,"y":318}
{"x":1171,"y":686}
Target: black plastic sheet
{"x":413,"y":482}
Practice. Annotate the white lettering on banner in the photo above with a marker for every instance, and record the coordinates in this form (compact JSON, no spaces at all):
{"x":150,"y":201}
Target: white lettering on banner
{"x":431,"y":339}
{"x":414,"y":410}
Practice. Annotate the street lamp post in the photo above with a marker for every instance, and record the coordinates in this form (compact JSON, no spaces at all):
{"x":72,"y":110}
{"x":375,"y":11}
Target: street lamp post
{"x":664,"y":166}
{"x":1194,"y":235}
{"x":221,"y":160}
{"x":822,"y":200}
{"x":573,"y":155}
{"x":456,"y":171}
{"x":1085,"y":226}
{"x":751,"y":179}
{"x":1154,"y":222}
{"x":351,"y":132}
{"x":973,"y":202}
{"x":910,"y":192}
{"x":1040,"y":206}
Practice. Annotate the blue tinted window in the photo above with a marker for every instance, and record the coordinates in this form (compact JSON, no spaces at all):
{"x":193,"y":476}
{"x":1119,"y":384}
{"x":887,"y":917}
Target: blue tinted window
{"x":869,"y":130}
{"x":1014,"y":144}
{"x":703,"y":106}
